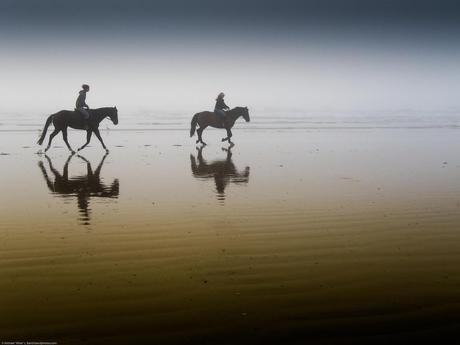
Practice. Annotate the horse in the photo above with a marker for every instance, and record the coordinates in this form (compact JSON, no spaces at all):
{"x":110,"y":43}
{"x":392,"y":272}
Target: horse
{"x":74,"y":119}
{"x":209,"y":118}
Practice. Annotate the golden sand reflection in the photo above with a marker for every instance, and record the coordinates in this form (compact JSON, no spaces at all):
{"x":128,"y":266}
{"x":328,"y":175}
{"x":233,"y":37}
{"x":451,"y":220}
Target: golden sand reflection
{"x":320,"y":239}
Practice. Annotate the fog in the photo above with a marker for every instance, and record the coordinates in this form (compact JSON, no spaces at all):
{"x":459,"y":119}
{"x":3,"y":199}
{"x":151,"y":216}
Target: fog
{"x":178,"y":57}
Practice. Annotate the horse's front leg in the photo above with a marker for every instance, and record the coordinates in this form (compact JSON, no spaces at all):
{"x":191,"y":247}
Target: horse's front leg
{"x":98,"y":135}
{"x":229,"y":135}
{"x":99,"y":167}
{"x":89,"y":132}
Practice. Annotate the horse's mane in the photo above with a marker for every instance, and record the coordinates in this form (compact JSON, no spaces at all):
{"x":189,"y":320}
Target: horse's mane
{"x":236,"y":108}
{"x":103,"y":108}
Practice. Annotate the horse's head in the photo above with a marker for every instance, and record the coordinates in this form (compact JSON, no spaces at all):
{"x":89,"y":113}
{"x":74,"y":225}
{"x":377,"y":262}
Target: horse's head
{"x":246,"y":114}
{"x":113,"y":114}
{"x":243,"y":111}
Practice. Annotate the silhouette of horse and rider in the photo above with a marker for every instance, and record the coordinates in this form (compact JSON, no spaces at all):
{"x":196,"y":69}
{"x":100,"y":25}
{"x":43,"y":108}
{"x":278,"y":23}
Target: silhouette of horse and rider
{"x":223,"y":171}
{"x":208,"y":118}
{"x":84,"y":118}
{"x":81,"y":118}
{"x":82,"y":187}
{"x":67,"y":118}
{"x":222,"y":117}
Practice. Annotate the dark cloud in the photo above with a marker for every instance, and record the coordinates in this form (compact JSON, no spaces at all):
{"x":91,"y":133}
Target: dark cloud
{"x":422,"y":12}
{"x":283,"y":20}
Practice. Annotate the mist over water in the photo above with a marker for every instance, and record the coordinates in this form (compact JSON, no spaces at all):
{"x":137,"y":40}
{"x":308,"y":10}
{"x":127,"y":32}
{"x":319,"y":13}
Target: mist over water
{"x":176,"y":56}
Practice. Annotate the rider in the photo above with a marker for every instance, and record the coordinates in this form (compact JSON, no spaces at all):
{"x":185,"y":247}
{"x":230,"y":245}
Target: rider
{"x":220,"y":107}
{"x":81,"y":105}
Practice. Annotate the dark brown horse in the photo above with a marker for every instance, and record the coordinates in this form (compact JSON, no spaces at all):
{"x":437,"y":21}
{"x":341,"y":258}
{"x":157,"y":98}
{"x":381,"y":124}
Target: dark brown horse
{"x":80,"y":187}
{"x":67,"y":118}
{"x":209,"y":118}
{"x":223,"y":171}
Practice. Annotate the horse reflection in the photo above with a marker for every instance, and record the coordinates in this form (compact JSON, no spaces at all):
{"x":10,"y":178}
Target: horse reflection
{"x":83,"y":187}
{"x":222,"y":171}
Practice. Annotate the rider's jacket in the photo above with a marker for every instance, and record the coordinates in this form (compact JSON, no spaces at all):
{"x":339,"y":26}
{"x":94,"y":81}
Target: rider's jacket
{"x":220,"y":105}
{"x":81,"y":100}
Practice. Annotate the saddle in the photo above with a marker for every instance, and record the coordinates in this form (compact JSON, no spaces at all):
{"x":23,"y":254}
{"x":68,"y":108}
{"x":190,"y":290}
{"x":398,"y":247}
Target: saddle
{"x":220,"y":117}
{"x":85,"y":112}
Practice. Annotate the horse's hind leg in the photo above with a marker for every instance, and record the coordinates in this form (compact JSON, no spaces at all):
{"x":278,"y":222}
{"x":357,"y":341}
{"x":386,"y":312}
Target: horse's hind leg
{"x":88,"y":138}
{"x":64,"y":136}
{"x":199,"y":131}
{"x":52,"y":135}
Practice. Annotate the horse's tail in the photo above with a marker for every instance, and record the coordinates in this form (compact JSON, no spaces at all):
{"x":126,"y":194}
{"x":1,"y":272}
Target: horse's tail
{"x":47,"y":124}
{"x":193,"y":124}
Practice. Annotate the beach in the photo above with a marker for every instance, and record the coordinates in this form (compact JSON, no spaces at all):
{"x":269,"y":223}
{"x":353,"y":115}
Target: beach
{"x":303,"y":232}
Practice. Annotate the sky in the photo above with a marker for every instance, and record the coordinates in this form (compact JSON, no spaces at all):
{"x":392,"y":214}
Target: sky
{"x":177,"y":55}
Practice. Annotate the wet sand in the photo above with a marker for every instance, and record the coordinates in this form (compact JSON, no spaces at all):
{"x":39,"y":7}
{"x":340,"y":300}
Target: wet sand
{"x":321,"y":235}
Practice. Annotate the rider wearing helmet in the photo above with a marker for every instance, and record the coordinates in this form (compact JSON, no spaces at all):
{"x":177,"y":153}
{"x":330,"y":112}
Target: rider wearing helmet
{"x":81,"y":106}
{"x":220,"y":107}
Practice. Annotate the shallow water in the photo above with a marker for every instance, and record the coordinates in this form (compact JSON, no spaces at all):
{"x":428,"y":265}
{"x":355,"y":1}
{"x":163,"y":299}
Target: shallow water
{"x":320,"y":234}
{"x":292,"y":120}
